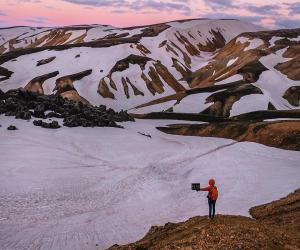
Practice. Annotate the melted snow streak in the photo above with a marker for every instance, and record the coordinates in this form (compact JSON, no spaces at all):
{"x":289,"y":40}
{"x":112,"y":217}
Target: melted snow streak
{"x":75,"y":188}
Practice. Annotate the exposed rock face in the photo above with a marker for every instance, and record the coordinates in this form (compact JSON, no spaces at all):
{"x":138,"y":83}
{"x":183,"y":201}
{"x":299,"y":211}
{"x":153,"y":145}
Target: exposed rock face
{"x":65,"y":88}
{"x":5,"y":73}
{"x":281,"y":134}
{"x":168,"y":77}
{"x":153,"y":78}
{"x":45,"y":61}
{"x":182,"y":69}
{"x":223,"y":100}
{"x":218,"y":41}
{"x":123,"y":64}
{"x":292,"y":94}
{"x":276,"y":227}
{"x":283,"y":213}
{"x":104,"y":91}
{"x":218,"y":70}
{"x":36,"y":84}
{"x":291,"y":68}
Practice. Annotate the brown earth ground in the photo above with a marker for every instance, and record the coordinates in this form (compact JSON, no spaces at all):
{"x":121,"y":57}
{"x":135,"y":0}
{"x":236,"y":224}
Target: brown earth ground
{"x":283,"y":134}
{"x":276,"y":225}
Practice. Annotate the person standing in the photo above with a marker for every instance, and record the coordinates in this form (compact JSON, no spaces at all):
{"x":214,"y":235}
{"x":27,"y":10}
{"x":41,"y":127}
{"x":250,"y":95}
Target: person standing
{"x":212,"y":197}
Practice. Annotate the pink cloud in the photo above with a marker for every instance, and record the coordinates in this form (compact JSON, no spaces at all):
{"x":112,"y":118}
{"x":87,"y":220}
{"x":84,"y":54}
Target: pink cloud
{"x":138,"y":12}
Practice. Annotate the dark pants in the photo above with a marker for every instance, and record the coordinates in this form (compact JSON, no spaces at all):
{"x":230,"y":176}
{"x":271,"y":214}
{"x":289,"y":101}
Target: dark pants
{"x":212,"y":208}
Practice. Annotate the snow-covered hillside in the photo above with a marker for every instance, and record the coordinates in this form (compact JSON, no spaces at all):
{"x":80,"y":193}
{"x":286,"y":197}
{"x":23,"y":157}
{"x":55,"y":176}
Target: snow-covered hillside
{"x":167,"y":54}
{"x":156,"y":66}
{"x":254,"y":71}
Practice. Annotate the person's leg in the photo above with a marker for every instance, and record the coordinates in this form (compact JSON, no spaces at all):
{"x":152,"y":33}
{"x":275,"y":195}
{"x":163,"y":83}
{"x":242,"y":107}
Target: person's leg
{"x":209,"y":207}
{"x":213,"y":208}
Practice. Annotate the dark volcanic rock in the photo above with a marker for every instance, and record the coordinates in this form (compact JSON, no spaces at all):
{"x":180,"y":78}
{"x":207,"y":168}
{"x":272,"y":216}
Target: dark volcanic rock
{"x":25,"y":115}
{"x":39,"y":111}
{"x":53,"y":114}
{"x":40,"y":123}
{"x":23,"y":104}
{"x":12,"y":127}
{"x":1,"y":94}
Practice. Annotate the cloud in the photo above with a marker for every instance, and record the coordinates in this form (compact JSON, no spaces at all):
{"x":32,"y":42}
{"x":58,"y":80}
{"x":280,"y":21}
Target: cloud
{"x":294,"y":8}
{"x":138,"y":5}
{"x":49,"y":7}
{"x":288,"y":23}
{"x":2,"y":13}
{"x":97,"y":3}
{"x":220,"y":3}
{"x":37,"y":20}
{"x":269,"y":13}
{"x":263,"y":10}
{"x":162,"y":6}
{"x":219,"y":15}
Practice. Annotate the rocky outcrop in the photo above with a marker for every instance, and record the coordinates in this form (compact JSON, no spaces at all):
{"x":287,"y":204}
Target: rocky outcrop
{"x":65,"y":88}
{"x":168,"y":77}
{"x":218,"y":69}
{"x":182,"y":69}
{"x":52,"y":125}
{"x":136,"y":91}
{"x":283,"y":214}
{"x":291,"y":68}
{"x":292,"y":94}
{"x":283,"y":134}
{"x":143,"y":49}
{"x":5,"y":73}
{"x":223,"y":96}
{"x":276,"y":226}
{"x":36,"y":84}
{"x":224,"y":100}
{"x":24,"y":105}
{"x":123,"y":64}
{"x":190,"y":48}
{"x":104,"y":90}
{"x":157,"y":73}
{"x":218,"y":41}
{"x":93,"y":44}
{"x":45,"y":61}
{"x":12,"y":127}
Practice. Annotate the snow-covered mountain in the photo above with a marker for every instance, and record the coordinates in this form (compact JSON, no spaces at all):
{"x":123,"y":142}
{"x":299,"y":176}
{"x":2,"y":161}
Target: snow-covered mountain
{"x":158,"y":64}
{"x":123,"y":68}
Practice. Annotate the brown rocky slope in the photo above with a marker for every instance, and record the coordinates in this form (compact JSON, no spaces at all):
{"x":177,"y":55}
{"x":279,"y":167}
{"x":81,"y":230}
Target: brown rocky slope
{"x":283,"y":134}
{"x":275,"y":226}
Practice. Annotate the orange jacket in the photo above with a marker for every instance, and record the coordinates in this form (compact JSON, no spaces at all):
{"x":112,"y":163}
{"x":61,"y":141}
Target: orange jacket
{"x":212,"y":190}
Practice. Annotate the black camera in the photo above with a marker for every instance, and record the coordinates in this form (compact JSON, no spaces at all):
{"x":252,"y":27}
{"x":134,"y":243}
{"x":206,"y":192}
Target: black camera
{"x":196,"y":186}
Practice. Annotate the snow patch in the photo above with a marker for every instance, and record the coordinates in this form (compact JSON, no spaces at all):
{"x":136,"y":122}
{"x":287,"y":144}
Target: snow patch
{"x":253,"y":43}
{"x":232,"y":61}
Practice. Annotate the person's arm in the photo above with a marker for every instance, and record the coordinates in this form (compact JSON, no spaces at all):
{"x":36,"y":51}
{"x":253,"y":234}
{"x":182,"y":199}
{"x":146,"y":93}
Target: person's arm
{"x":205,"y":189}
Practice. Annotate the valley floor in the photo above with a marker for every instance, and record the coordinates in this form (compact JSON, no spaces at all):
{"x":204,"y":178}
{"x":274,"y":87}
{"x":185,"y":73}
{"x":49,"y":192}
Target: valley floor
{"x":73,"y":188}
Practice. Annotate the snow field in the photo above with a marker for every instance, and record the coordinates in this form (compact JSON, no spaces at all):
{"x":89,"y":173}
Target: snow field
{"x":75,"y":188}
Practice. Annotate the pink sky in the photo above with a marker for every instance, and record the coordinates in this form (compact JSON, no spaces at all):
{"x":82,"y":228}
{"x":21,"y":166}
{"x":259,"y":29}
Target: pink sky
{"x":272,"y":14}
